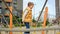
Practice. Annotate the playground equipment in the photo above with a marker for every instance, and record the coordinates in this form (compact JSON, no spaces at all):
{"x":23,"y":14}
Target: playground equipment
{"x":50,"y":30}
{"x":11,"y":15}
{"x":39,"y":14}
{"x":11,"y":20}
{"x":45,"y":15}
{"x":42,"y":10}
{"x":45,"y":18}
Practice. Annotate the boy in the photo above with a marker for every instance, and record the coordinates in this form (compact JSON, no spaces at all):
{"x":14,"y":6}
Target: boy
{"x":27,"y":15}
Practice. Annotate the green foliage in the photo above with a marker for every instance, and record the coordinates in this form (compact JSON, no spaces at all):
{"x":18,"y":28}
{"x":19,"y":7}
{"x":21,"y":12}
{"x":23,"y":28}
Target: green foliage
{"x":22,"y":24}
{"x":15,"y":20}
{"x":33,"y":20}
{"x":47,"y":22}
{"x":39,"y":24}
{"x":19,"y":19}
{"x":16,"y":25}
{"x":5,"y":25}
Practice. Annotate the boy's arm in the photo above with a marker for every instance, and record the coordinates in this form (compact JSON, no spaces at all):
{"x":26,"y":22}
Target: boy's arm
{"x":24,"y":14}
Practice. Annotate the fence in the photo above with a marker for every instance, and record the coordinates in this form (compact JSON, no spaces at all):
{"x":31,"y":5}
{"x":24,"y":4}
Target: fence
{"x":32,"y":30}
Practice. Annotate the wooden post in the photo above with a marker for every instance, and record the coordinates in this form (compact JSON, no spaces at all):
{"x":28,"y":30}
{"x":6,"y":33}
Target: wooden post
{"x":45,"y":18}
{"x":10,"y":20}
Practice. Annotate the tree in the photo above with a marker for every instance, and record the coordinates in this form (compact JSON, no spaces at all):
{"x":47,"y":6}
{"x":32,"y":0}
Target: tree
{"x":33,"y":20}
{"x":47,"y":22}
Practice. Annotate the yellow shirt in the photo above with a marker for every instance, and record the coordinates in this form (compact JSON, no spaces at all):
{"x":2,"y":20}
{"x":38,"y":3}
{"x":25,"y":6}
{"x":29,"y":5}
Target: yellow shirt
{"x":28,"y":16}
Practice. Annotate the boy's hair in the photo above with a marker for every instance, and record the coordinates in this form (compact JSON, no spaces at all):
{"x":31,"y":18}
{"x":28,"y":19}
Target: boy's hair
{"x":30,"y":3}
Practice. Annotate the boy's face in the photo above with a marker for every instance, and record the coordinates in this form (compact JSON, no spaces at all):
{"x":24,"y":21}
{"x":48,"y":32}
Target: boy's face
{"x":31,"y":6}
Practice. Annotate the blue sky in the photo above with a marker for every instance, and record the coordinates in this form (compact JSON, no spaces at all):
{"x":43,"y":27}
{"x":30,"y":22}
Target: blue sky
{"x":38,"y":6}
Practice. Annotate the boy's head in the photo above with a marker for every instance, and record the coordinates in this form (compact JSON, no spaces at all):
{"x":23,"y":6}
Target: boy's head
{"x":30,"y":5}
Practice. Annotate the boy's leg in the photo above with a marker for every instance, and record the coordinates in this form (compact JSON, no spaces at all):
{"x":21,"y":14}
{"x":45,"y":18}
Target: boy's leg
{"x":27,"y":27}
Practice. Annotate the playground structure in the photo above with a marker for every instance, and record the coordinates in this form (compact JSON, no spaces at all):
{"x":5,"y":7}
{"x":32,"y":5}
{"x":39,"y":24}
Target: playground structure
{"x":32,"y":30}
{"x":45,"y":17}
{"x":11,"y":15}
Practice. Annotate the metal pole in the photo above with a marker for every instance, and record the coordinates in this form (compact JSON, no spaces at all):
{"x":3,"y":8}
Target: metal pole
{"x":42,"y":10}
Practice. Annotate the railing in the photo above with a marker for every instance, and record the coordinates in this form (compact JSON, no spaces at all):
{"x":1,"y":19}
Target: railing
{"x":32,"y":30}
